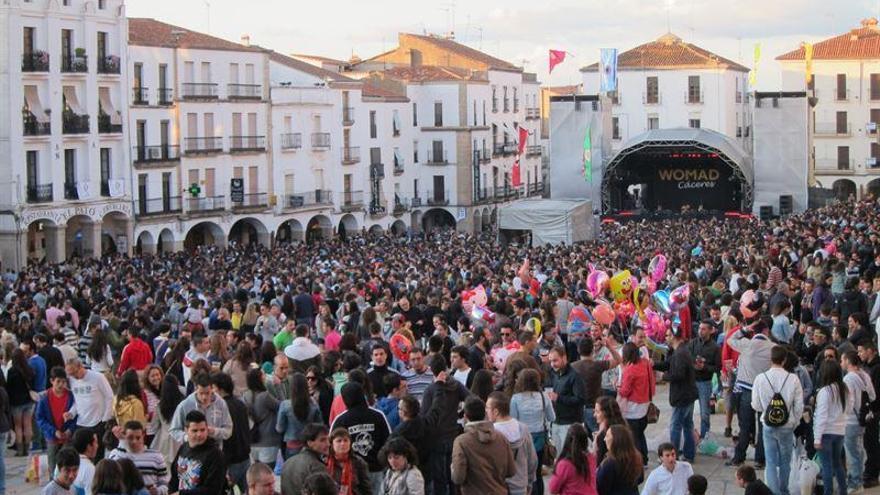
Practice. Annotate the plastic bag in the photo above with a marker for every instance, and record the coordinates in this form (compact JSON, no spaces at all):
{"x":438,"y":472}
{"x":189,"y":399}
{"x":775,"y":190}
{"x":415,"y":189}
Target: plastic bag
{"x":38,"y":470}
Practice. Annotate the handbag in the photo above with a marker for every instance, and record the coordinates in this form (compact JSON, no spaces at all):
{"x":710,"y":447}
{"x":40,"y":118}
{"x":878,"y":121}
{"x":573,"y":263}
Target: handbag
{"x":548,"y":455}
{"x":653,"y":411}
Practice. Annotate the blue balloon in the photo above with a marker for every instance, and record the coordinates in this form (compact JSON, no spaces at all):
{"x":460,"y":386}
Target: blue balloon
{"x":662,"y":302}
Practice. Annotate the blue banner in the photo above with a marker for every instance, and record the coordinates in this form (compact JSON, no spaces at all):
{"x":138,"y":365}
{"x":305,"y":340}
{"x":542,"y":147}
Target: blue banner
{"x":608,"y":70}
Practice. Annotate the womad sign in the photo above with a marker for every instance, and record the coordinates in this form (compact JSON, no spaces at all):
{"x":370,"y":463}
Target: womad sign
{"x":708,"y":186}
{"x":690,"y":178}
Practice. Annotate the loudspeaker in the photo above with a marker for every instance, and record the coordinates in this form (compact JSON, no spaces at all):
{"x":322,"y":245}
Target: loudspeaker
{"x":765,"y":213}
{"x":786,"y":204}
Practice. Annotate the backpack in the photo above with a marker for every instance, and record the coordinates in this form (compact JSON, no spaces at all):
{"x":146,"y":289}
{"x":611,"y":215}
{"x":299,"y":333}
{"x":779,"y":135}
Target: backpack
{"x":865,"y":413}
{"x":776,"y":414}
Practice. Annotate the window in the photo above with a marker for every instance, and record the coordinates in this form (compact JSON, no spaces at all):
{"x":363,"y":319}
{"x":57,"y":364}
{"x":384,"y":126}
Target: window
{"x":475,"y":113}
{"x":653,"y":123}
{"x":415,"y":152}
{"x":375,"y":156}
{"x":811,"y":84}
{"x":652,"y":90}
{"x":28,"y":38}
{"x":102,"y":46}
{"x":842,"y":93}
{"x":842,"y":126}
{"x":875,"y":153}
{"x":694,"y":95}
{"x":875,"y":119}
{"x":615,"y":128}
{"x":438,"y":114}
{"x":875,"y":86}
{"x":70,"y":174}
{"x":494,"y":99}
{"x":105,"y":171}
{"x":102,"y":4}
{"x":506,"y":101}
{"x":32,"y":176}
{"x":694,"y":123}
{"x":373,"y":131}
{"x":484,"y":112}
{"x":843,"y":158}
{"x":415,"y":115}
{"x":395,"y":123}
{"x":437,"y":155}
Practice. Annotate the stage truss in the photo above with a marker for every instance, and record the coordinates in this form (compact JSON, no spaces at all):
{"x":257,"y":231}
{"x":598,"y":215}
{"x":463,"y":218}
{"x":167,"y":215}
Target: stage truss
{"x":611,"y":169}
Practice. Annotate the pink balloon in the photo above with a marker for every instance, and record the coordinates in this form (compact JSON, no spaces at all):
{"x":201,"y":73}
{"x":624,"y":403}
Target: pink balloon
{"x":744,"y":301}
{"x":657,"y":267}
{"x":603,"y":313}
{"x":596,"y":282}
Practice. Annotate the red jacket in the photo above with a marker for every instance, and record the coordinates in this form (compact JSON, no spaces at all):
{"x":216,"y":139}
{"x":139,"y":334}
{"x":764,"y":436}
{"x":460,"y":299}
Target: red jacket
{"x":136,"y":356}
{"x":727,"y":352}
{"x":637,"y":382}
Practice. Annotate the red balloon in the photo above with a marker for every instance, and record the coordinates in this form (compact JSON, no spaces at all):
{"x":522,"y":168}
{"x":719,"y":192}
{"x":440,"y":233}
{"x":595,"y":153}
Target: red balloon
{"x":400,"y":347}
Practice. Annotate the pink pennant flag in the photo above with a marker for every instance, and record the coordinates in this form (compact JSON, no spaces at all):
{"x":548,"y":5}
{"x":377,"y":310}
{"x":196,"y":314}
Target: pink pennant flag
{"x":556,"y":58}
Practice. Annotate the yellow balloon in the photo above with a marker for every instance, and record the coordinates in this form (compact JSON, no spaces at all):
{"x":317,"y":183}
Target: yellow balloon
{"x":534,"y":325}
{"x":621,"y":285}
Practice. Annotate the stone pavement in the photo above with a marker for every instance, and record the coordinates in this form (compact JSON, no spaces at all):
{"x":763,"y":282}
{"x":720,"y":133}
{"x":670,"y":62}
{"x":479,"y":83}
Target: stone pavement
{"x":721,"y":477}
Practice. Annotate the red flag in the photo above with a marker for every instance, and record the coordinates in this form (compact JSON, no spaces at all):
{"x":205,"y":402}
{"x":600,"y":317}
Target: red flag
{"x":556,"y":58}
{"x":515,"y":178}
{"x":523,"y":137}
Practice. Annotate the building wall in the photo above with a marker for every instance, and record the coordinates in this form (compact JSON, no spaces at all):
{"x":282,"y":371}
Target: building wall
{"x":569,"y":122}
{"x":781,"y":151}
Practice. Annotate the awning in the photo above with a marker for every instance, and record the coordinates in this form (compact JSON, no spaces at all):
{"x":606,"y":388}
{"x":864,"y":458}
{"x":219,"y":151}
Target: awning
{"x":108,"y":107}
{"x":32,"y":98}
{"x":395,"y":117}
{"x":72,"y":101}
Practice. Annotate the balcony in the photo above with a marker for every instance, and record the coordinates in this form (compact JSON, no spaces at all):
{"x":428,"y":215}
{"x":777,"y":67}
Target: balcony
{"x":36,"y":61}
{"x":378,"y":208}
{"x":199,"y":91}
{"x":535,"y":189}
{"x":165,"y":96}
{"x":871,"y":128}
{"x":534,"y":150}
{"x":72,"y":123}
{"x":317,"y":197}
{"x":872,"y":164}
{"x":494,"y":105}
{"x":244,"y":91}
{"x":352,"y":201}
{"x":33,"y":127}
{"x":140,"y":96}
{"x":398,"y":167}
{"x":245,"y":144}
{"x":74,"y":64}
{"x":651,"y":98}
{"x":206,"y":205}
{"x":153,"y":154}
{"x":159,"y":206}
{"x":503,"y":149}
{"x":437,"y":157}
{"x":693,"y":98}
{"x":841,"y":94}
{"x":252,"y":200}
{"x":291,"y":141}
{"x":437,"y":197}
{"x":351,"y":155}
{"x":70,"y":191}
{"x":831,"y":129}
{"x":484,"y":195}
{"x":401,"y":206}
{"x":320,"y":140}
{"x":39,"y":193}
{"x":105,"y":126}
{"x":196,"y":145}
{"x":834,"y":166}
{"x":348,"y":116}
{"x":377,"y":171}
{"x":533,"y":113}
{"x":109,"y":65}
{"x":416,"y":202}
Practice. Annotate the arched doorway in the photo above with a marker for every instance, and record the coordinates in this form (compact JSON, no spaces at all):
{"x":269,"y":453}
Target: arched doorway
{"x":145,"y":244}
{"x":348,"y":226}
{"x":45,"y":241}
{"x":844,"y":189}
{"x":166,"y":241}
{"x":114,"y":233}
{"x":416,"y":220}
{"x":398,"y":228}
{"x":81,"y":240}
{"x":487,"y":220}
{"x":319,"y":227}
{"x":873,"y":188}
{"x":437,"y":218}
{"x":204,"y":234}
{"x":290,"y":231}
{"x":376,"y":230}
{"x":478,"y":221}
{"x":249,"y":231}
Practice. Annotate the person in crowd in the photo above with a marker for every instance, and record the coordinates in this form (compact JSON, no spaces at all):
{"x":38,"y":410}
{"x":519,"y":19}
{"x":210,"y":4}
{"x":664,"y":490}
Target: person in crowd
{"x":681,"y":375}
{"x":200,"y":466}
{"x":861,"y":389}
{"x":567,"y":395}
{"x":697,"y":485}
{"x":368,"y":429}
{"x":132,"y":479}
{"x":295,"y":413}
{"x":129,"y":403}
{"x":867,"y":352}
{"x":379,"y":370}
{"x":136,"y":355}
{"x":575,"y":470}
{"x":450,"y":393}
{"x":212,"y":407}
{"x":236,"y":448}
{"x":62,"y":481}
{"x":108,"y":479}
{"x":402,"y":477}
{"x":307,"y":461}
{"x":5,"y":429}
{"x":396,"y":389}
{"x":260,"y":480}
{"x":590,"y":371}
{"x":278,"y":379}
{"x":707,"y":362}
{"x":671,"y":476}
{"x":149,"y":463}
{"x":531,"y":406}
{"x":636,"y":392}
{"x":321,"y":391}
{"x":153,"y":378}
{"x":747,"y":479}
{"x":171,"y":396}
{"x":829,"y":424}
{"x":238,"y":367}
{"x":419,"y":376}
{"x":92,"y":397}
{"x":50,"y":415}
{"x":517,"y":433}
{"x":349,"y":471}
{"x":19,"y":380}
{"x":622,"y":471}
{"x":481,"y":457}
{"x":262,"y":409}
{"x":87,"y":444}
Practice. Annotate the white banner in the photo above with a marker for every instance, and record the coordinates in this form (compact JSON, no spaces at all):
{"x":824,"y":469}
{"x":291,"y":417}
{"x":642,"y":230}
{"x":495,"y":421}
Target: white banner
{"x":117,"y":187}
{"x":83,"y":190}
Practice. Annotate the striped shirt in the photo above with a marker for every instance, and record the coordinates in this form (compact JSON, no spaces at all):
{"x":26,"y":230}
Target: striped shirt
{"x":151,"y":465}
{"x":417,"y":383}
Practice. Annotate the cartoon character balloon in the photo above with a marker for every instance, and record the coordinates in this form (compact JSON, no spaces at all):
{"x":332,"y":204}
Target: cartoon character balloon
{"x":621,"y":285}
{"x":597,"y":281}
{"x":400,"y":347}
{"x":578,"y":320}
{"x":473,"y":297}
{"x":657,"y":268}
{"x":534,"y":325}
{"x":679,"y":296}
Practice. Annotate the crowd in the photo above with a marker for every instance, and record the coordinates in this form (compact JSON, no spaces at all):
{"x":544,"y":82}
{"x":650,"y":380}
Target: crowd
{"x":448,"y":363}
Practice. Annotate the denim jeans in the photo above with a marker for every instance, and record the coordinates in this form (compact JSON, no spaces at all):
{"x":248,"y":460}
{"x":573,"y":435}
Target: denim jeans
{"x":704,"y":389}
{"x":590,"y":420}
{"x":237,"y":473}
{"x":538,"y":440}
{"x":778,"y":445}
{"x":745,"y":415}
{"x":682,"y":424}
{"x":3,"y":437}
{"x":440,"y":462}
{"x":638,"y":426}
{"x":832,"y":464}
{"x":855,"y":455}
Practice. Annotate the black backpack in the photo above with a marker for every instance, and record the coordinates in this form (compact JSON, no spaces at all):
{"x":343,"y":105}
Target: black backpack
{"x":865,"y":413}
{"x":776,"y":414}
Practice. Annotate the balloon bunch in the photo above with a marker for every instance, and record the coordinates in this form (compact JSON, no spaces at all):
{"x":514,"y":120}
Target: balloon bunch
{"x":474,"y":301}
{"x":579,"y":320}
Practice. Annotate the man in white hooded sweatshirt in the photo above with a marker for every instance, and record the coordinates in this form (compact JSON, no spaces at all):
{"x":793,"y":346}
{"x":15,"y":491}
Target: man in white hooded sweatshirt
{"x":517,"y":433}
{"x":857,"y":382}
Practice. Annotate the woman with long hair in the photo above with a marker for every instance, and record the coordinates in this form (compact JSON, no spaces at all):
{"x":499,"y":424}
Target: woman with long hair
{"x":107,"y":479}
{"x":482,"y":385}
{"x":132,"y":479}
{"x":219,"y":354}
{"x":237,"y":367}
{"x":19,"y":383}
{"x":98,"y":355}
{"x":295,"y":413}
{"x":622,"y":470}
{"x":637,"y":387}
{"x":172,"y":363}
{"x":829,"y":424}
{"x":607,"y":412}
{"x":153,"y":378}
{"x":575,"y":470}
{"x":533,"y":407}
{"x":320,"y":390}
{"x":129,"y":404}
{"x":267,"y":357}
{"x":249,"y":319}
{"x":169,"y":397}
{"x":263,"y":411}
{"x":348,"y":470}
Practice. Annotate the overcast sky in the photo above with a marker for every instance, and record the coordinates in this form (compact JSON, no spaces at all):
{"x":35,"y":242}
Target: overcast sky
{"x":521,"y":31}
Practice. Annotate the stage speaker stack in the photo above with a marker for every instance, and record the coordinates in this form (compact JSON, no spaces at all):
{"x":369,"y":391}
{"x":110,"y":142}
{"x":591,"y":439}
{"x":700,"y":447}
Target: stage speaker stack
{"x":786,"y":204}
{"x":766,"y":213}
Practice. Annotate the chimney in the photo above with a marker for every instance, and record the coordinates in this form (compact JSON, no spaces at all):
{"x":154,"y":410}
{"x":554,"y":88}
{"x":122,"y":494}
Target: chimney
{"x":246,"y":40}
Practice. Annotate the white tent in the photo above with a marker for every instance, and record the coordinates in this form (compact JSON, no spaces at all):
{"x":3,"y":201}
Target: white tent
{"x":550,"y":221}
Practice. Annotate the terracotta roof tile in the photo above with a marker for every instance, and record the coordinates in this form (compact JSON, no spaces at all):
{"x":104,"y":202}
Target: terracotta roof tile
{"x":859,"y":43}
{"x":466,"y":51}
{"x":307,"y":68}
{"x":150,"y":32}
{"x":670,"y":52}
{"x":564,"y":90}
{"x":427,"y":73}
{"x":319,"y":58}
{"x":375,"y":91}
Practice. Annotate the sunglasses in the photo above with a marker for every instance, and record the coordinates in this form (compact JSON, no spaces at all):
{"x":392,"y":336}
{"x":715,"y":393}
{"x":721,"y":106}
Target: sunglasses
{"x":506,"y":334}
{"x":312,"y":378}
